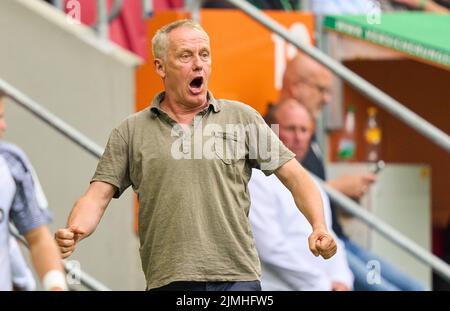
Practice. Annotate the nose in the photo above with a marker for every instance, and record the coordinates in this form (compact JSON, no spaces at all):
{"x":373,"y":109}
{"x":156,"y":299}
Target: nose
{"x":298,"y":135}
{"x":197,"y":63}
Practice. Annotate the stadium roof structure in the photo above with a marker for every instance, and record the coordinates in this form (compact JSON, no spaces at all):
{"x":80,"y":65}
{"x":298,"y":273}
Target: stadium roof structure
{"x":423,"y":36}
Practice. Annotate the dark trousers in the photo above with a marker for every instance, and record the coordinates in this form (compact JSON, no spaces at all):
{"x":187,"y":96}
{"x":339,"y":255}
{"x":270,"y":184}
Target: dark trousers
{"x":211,"y":286}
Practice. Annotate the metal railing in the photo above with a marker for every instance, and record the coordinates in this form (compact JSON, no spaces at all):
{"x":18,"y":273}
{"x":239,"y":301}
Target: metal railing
{"x":115,"y":11}
{"x":147,"y":8}
{"x":386,"y":102}
{"x":103,"y":17}
{"x":55,"y":122}
{"x":85,"y":279}
{"x":193,"y":6}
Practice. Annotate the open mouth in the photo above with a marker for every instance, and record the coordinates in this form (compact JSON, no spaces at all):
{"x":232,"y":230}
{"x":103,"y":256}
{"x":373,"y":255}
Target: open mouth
{"x":196,"y":84}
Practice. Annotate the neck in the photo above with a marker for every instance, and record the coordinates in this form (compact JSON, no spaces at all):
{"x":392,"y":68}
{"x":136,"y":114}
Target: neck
{"x":181,"y":113}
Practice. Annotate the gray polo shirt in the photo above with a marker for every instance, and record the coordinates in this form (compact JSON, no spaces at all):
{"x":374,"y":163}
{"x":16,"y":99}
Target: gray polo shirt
{"x":192,"y":188}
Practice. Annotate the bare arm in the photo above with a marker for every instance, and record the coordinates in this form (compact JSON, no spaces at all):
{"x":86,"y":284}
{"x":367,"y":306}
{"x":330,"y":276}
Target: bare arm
{"x":353,"y":186}
{"x":85,"y":216}
{"x":44,"y":251}
{"x":22,"y":276}
{"x":309,"y":202}
{"x":305,"y":192}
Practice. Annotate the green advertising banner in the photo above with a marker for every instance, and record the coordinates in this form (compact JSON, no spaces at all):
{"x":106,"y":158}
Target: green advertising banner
{"x":422,"y":35}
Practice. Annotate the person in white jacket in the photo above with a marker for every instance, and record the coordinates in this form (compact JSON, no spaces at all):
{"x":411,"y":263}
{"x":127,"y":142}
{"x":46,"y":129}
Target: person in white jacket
{"x":22,"y":277}
{"x":280,"y":231}
{"x":21,"y":204}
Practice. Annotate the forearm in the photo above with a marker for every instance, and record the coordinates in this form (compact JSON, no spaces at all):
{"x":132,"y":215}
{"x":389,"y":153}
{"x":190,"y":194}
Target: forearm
{"x":21,"y":274}
{"x":307,"y":197}
{"x":304,"y":191}
{"x":44,"y":252}
{"x":86,"y":214}
{"x":308,"y":200}
{"x":84,"y":217}
{"x":89,"y":209}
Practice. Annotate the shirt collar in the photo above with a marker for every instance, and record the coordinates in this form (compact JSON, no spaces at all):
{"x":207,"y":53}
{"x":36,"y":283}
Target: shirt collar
{"x":155,"y":106}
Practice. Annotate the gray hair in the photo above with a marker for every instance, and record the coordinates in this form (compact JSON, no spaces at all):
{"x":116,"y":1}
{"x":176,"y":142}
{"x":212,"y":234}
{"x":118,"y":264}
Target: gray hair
{"x":159,"y":41}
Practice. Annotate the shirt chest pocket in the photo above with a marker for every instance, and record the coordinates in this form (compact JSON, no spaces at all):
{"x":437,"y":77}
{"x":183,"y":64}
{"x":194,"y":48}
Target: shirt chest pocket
{"x":228,"y":147}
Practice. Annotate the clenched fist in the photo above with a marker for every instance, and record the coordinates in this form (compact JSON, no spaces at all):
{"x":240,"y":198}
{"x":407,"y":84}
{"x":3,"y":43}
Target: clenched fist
{"x":322,"y":243}
{"x":67,"y":239}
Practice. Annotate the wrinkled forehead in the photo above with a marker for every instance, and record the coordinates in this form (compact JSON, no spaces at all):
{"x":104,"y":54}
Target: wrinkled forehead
{"x":188,"y":35}
{"x":290,"y":108}
{"x":323,"y":76}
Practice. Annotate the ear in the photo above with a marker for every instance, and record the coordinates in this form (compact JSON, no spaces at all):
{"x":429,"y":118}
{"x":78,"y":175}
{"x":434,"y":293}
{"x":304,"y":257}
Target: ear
{"x":159,"y":67}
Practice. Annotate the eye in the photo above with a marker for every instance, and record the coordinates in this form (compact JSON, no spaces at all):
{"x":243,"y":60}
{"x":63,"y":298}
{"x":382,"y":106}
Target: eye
{"x":290,"y":128}
{"x":185,"y":56}
{"x":204,"y":54}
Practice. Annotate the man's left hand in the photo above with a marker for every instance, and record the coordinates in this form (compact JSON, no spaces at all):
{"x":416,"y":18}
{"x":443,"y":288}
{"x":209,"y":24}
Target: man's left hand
{"x":322,"y":243}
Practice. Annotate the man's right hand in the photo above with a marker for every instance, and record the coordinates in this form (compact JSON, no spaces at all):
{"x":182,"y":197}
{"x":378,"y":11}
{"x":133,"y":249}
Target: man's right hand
{"x":85,"y":216}
{"x":67,"y":239}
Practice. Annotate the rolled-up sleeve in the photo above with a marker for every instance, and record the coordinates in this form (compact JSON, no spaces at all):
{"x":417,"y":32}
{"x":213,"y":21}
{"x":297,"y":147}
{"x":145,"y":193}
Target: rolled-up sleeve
{"x":25,"y":212}
{"x":266,"y":151}
{"x":113,"y":167}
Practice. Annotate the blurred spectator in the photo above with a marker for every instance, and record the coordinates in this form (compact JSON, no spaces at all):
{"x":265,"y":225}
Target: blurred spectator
{"x":335,"y":7}
{"x":280,"y":231}
{"x":426,"y":5}
{"x":287,"y":5}
{"x":444,"y":3}
{"x":309,"y":83}
{"x":22,"y":277}
{"x":21,"y":203}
